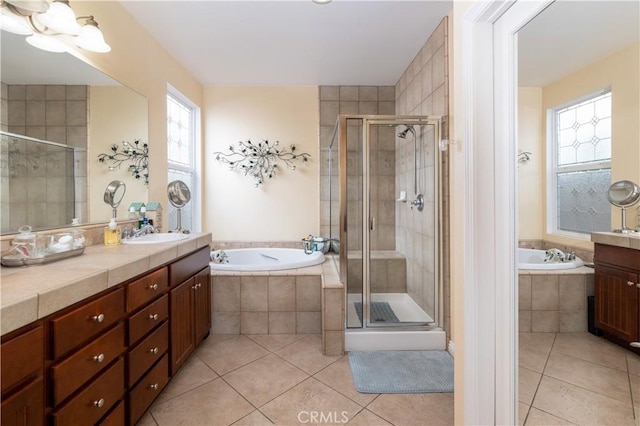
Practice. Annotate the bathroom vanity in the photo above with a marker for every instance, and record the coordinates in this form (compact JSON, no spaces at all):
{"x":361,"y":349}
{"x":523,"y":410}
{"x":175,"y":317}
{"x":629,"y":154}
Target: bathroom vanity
{"x":617,"y":287}
{"x":101,"y":355}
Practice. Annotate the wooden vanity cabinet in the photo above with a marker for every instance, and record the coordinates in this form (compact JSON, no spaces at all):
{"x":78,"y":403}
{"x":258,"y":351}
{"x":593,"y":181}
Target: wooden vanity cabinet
{"x":617,"y":293}
{"x":22,"y":367}
{"x":105,"y":360}
{"x":85,"y":377}
{"x":190,"y":305}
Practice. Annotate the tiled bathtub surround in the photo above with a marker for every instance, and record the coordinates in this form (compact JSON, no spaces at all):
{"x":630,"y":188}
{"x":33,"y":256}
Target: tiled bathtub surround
{"x":253,"y":304}
{"x":296,"y":301}
{"x":554,"y":302}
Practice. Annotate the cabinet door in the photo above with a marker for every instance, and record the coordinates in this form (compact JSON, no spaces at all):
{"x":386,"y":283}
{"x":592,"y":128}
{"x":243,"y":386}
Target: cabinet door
{"x":616,"y":298}
{"x":202,"y":304}
{"x":181,"y":323}
{"x":25,"y":408}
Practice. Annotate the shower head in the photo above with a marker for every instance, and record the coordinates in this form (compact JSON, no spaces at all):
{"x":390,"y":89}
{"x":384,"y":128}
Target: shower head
{"x":403,"y":134}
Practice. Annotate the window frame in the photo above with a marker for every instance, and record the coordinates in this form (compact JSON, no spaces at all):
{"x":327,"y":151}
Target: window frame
{"x":195,"y":169}
{"x":553,"y":169}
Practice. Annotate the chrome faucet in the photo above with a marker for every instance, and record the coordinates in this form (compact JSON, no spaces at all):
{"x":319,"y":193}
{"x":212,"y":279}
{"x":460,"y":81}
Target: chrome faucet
{"x":146,"y":229}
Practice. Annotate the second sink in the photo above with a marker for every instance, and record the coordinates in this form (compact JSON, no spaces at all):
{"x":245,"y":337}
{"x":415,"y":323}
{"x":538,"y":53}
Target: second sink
{"x":156,"y":238}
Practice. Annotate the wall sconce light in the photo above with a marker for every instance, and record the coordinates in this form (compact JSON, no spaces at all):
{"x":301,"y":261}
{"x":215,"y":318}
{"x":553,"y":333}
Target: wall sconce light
{"x":260,"y":160}
{"x":51,"y":26}
{"x":137,"y":154}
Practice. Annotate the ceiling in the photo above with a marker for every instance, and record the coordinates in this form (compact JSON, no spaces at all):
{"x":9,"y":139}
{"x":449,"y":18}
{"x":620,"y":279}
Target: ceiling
{"x":294,"y":42}
{"x":568,"y":35}
{"x":345,"y":42}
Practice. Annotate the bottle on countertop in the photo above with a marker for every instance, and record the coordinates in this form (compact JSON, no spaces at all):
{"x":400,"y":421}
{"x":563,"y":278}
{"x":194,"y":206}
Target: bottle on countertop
{"x":142,"y":220}
{"x":112,"y":233}
{"x":133,"y":215}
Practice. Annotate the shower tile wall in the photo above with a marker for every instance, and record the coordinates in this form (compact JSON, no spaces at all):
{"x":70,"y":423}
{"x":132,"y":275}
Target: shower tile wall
{"x":375,"y":100}
{"x":359,"y":100}
{"x":423,"y":89}
{"x":54,"y":113}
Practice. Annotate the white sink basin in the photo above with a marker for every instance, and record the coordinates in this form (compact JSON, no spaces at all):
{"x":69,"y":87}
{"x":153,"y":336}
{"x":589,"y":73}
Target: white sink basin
{"x":156,"y":238}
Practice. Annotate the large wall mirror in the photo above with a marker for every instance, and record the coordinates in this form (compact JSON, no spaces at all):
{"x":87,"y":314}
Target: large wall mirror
{"x":58,"y":114}
{"x":578,"y":65}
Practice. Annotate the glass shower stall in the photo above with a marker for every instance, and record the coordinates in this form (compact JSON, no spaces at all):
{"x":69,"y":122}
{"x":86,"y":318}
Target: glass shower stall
{"x":386,"y":214}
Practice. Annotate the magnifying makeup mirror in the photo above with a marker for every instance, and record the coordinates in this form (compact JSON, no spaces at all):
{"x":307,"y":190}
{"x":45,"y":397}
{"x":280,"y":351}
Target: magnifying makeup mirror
{"x":113,"y":195}
{"x":623,"y":194}
{"x":179,"y":195}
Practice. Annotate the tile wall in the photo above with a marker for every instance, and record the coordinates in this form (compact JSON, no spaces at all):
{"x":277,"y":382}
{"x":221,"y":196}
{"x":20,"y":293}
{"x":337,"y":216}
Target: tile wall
{"x":551,"y":303}
{"x":357,"y":100}
{"x":423,"y":89}
{"x":266,"y":304}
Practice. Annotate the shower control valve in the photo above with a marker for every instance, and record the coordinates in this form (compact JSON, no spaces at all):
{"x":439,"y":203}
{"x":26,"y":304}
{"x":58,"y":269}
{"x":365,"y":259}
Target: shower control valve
{"x":418,"y":203}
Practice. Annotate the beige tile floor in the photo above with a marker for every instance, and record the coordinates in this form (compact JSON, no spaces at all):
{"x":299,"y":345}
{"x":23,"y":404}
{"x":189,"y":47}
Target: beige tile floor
{"x":282,"y":380}
{"x":577,"y":378}
{"x":564,"y":378}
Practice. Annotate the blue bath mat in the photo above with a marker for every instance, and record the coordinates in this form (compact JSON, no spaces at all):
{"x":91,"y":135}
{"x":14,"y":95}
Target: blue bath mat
{"x":380,"y":312}
{"x":402,"y":371}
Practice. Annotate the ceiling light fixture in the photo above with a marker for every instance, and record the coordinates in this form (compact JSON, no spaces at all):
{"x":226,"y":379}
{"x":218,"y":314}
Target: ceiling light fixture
{"x":51,"y":26}
{"x":321,"y":1}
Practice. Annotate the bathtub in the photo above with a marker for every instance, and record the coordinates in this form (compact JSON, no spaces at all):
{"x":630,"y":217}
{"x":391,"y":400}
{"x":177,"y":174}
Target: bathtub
{"x":534,"y":259}
{"x":267,"y":259}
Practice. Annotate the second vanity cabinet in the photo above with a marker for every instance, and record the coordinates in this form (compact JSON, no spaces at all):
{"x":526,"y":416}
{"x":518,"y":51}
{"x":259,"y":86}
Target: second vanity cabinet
{"x":104,"y":360}
{"x":617,"y":292}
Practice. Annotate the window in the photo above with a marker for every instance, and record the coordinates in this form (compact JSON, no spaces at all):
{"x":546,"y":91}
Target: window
{"x":580,"y":166}
{"x":182,"y":119}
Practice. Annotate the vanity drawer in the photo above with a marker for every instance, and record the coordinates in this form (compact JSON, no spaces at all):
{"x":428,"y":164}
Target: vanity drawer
{"x":74,"y":371}
{"x":146,"y":288}
{"x":95,"y":400}
{"x":148,"y":318}
{"x":22,"y":358}
{"x":141,"y":397}
{"x":79,"y":325}
{"x":182,"y":269}
{"x":115,"y":417}
{"x":142,"y":357}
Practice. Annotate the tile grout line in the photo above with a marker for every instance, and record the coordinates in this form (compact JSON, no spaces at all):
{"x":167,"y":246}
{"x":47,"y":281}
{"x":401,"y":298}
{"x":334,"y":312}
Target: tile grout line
{"x":541,"y":377}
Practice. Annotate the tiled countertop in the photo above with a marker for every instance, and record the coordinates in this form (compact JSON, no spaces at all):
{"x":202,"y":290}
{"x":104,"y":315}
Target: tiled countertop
{"x":32,"y":292}
{"x":631,"y":240}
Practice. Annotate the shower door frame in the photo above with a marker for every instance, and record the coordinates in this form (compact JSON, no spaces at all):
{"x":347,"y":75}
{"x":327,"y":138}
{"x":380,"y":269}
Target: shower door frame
{"x":367,"y":122}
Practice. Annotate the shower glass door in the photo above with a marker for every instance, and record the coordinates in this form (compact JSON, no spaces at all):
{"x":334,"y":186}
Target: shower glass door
{"x":389,"y":220}
{"x":402,"y":204}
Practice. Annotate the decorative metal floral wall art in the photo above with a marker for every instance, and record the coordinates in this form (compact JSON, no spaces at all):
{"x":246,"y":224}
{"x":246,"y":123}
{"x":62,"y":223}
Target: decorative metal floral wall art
{"x":137,"y":154}
{"x":260,"y":160}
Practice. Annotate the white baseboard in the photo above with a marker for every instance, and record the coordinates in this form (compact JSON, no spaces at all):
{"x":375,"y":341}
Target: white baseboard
{"x":452,"y":348}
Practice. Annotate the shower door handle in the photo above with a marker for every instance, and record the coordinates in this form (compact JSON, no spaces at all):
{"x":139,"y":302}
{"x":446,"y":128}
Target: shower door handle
{"x":372,"y":224}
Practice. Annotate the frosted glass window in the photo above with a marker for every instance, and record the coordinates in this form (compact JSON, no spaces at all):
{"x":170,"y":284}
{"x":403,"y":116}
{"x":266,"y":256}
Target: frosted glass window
{"x":582,"y":202}
{"x":181,"y":140}
{"x":581,"y":169}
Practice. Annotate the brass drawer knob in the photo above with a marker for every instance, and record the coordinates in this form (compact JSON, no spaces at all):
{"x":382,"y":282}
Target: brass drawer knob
{"x":154,"y":386}
{"x":154,"y":350}
{"x":153,"y":286}
{"x":98,"y":318}
{"x":98,"y":358}
{"x":153,"y":317}
{"x":99,"y":403}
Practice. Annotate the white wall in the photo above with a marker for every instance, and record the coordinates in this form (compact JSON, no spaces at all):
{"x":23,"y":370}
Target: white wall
{"x":530,"y":174}
{"x":285,"y":208}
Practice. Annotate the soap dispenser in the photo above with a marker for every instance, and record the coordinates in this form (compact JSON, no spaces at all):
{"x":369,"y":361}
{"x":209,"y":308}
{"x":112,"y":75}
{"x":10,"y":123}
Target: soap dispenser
{"x":112,"y":233}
